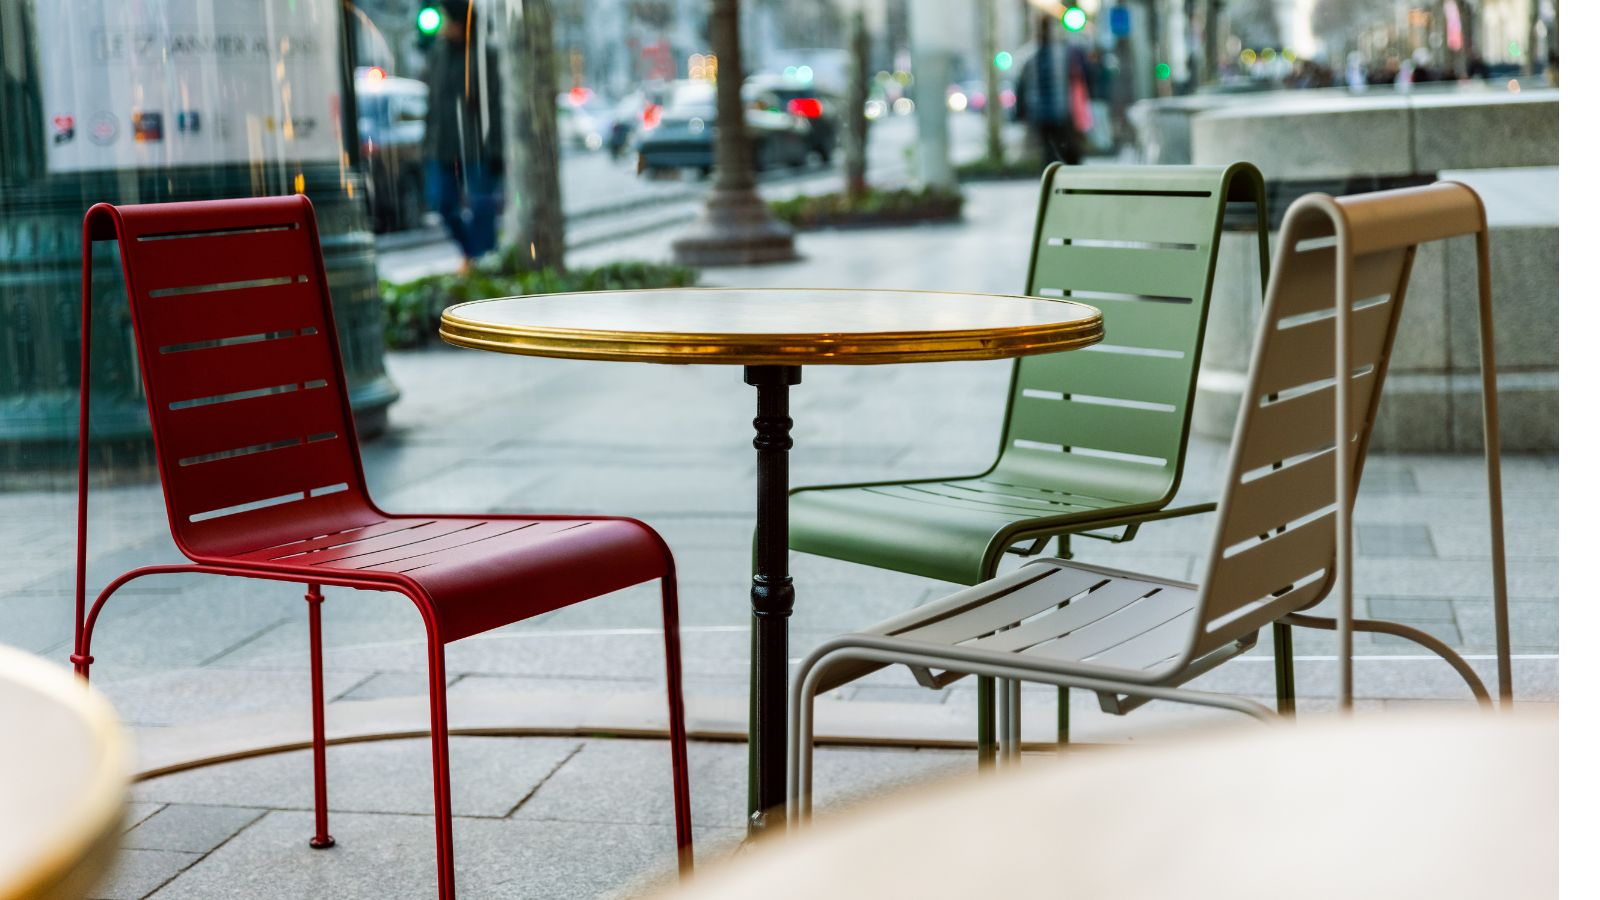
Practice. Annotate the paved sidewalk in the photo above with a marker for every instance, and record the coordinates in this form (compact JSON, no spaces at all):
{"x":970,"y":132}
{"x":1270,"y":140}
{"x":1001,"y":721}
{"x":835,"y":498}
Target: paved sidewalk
{"x":479,"y":431}
{"x":535,"y":817}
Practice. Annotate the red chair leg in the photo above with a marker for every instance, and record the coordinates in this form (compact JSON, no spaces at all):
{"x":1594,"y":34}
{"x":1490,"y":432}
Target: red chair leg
{"x":679,"y":736}
{"x":441,"y":770}
{"x":321,"y":840}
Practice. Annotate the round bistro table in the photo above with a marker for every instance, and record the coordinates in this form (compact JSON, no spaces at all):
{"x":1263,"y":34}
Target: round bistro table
{"x":772,"y":333}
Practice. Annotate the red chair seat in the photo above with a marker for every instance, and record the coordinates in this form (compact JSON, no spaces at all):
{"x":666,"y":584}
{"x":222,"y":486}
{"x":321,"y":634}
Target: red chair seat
{"x":480,"y":573}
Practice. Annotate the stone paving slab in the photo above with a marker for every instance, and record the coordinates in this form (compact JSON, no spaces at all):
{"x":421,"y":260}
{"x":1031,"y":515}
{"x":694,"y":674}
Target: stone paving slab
{"x":189,"y":828}
{"x":139,"y":873}
{"x":387,"y":777}
{"x":167,"y":697}
{"x":388,"y":856}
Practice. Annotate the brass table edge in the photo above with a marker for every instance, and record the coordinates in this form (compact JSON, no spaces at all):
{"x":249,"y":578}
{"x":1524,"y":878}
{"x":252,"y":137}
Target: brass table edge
{"x":771,"y":349}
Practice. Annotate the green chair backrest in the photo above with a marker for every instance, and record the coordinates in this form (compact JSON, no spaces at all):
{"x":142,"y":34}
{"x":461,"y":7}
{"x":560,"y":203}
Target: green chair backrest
{"x":1140,"y":244}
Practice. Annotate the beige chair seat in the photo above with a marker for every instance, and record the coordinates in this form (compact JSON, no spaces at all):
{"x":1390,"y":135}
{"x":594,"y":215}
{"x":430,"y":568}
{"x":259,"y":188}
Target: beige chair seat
{"x":1088,"y":619}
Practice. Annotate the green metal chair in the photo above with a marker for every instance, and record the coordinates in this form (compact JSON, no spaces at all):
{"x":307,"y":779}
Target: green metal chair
{"x":1093,"y":441}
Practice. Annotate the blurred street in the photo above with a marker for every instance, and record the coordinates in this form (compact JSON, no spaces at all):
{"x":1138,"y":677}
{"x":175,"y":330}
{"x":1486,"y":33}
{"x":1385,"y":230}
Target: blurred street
{"x":606,"y":201}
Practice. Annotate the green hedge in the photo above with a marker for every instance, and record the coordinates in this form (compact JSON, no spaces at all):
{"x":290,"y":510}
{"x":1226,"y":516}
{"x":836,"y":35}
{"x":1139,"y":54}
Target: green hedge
{"x":987,"y":169}
{"x":901,"y":206}
{"x":411,"y":309}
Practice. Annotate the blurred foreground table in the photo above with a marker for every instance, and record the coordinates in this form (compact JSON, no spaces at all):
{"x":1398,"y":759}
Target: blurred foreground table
{"x":772,"y":333}
{"x":1459,"y":806}
{"x":64,"y":768}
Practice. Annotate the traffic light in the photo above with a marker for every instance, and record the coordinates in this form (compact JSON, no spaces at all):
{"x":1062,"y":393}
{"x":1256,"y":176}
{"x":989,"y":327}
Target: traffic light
{"x":1002,"y":61}
{"x":429,"y":20}
{"x":1074,"y":19}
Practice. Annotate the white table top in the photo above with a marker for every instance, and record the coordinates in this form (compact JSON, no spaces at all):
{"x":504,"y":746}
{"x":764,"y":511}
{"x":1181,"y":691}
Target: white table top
{"x":772,"y":327}
{"x":1459,"y":805}
{"x":64,"y":769}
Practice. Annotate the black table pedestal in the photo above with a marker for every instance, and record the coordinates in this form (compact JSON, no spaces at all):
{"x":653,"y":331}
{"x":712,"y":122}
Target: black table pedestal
{"x":771,"y":599}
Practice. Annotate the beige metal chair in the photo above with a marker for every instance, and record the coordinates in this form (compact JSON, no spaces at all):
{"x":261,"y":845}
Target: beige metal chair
{"x":1282,"y":541}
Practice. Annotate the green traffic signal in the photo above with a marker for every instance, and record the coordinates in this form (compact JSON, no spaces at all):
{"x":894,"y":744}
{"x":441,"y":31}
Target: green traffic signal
{"x":1074,"y":19}
{"x":1002,"y":61}
{"x":429,"y":19}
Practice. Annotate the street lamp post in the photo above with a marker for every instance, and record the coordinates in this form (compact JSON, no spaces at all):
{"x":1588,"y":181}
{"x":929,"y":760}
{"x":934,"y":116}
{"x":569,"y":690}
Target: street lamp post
{"x":736,"y":228}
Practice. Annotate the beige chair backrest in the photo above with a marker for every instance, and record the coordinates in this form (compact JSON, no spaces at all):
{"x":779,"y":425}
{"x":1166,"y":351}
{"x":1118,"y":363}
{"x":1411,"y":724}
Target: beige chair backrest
{"x":1339,"y":280}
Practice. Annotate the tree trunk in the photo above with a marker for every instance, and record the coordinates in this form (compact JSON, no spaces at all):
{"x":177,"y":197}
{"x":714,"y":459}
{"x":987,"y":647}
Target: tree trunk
{"x":536,"y":228}
{"x":736,"y":228}
{"x":1530,"y":47}
{"x":855,"y":147}
{"x":1552,"y":45}
{"x":734,"y":153}
{"x":993,"y":149}
{"x":1208,"y":36}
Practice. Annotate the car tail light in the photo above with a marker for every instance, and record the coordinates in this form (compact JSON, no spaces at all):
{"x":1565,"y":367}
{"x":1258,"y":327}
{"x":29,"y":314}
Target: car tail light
{"x":805,"y":107}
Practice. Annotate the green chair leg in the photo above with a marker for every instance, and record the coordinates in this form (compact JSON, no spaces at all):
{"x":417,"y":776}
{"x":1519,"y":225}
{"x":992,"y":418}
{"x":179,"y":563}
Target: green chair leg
{"x":1283,"y":666}
{"x":1063,"y":695}
{"x":1063,"y":718}
{"x":986,"y":740}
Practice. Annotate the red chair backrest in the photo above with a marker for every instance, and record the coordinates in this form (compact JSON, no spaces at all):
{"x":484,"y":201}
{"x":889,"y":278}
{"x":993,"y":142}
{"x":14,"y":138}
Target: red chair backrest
{"x":241,"y":368}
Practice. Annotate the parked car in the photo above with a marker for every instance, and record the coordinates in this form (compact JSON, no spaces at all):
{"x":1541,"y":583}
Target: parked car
{"x":682,"y":135}
{"x":391,"y":114}
{"x":818,"y":108}
{"x":582,"y":125}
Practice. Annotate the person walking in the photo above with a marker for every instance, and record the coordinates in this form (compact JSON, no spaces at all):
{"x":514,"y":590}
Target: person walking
{"x":1045,"y":98}
{"x":462,"y":138}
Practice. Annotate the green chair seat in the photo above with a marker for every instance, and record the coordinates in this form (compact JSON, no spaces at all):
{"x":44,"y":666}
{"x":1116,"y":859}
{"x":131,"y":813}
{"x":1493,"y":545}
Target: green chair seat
{"x":953,"y":530}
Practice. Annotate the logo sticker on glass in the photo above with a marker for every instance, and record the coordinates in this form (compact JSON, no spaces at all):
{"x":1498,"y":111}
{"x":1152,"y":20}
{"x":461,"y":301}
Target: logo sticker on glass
{"x":146,"y":127}
{"x":103,"y":128}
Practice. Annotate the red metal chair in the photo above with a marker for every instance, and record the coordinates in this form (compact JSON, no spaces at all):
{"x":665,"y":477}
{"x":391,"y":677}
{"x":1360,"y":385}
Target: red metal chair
{"x":262,"y":475}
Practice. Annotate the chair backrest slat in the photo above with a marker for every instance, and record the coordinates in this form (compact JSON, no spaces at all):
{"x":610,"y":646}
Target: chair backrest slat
{"x":1140,"y":244}
{"x":241,"y":369}
{"x":1276,"y":540}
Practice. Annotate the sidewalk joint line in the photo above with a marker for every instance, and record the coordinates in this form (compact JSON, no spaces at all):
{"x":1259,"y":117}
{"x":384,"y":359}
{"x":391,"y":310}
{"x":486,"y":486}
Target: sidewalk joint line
{"x":548,"y":775}
{"x":261,"y":813}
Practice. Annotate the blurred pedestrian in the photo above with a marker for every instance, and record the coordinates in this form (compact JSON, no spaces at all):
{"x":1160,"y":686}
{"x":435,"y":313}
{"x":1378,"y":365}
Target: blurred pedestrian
{"x":1355,"y":72}
{"x":1053,"y":96}
{"x":462,"y":139}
